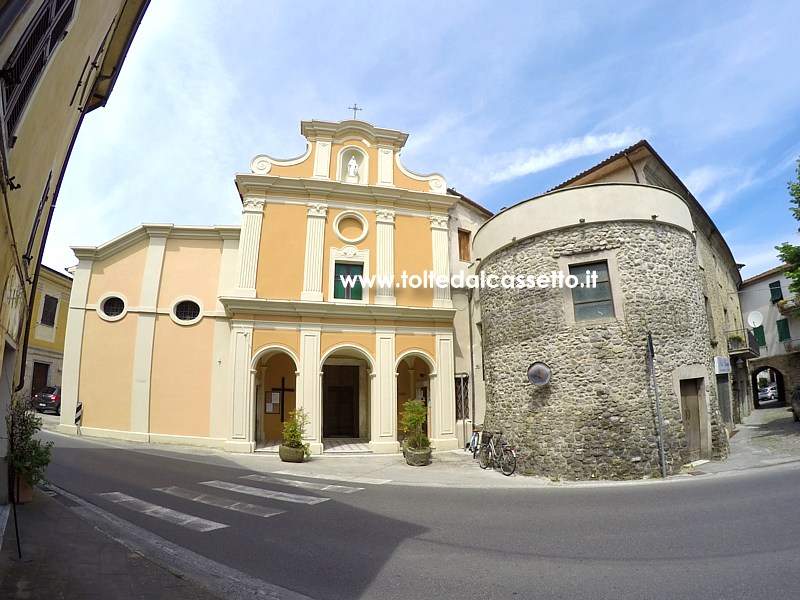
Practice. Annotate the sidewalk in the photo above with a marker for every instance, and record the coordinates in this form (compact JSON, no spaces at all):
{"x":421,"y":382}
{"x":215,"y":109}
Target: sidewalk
{"x":71,"y":559}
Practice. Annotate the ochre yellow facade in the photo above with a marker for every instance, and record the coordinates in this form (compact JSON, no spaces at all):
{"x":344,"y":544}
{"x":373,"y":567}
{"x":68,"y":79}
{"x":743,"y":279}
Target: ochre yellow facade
{"x":225,"y":331}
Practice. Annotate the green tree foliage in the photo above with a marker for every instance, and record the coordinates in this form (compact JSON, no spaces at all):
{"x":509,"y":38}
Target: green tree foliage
{"x":788,"y":253}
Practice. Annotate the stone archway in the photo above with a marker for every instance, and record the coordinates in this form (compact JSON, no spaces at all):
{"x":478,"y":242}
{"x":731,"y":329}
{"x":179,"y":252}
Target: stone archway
{"x":773,"y":375}
{"x":275,"y":377}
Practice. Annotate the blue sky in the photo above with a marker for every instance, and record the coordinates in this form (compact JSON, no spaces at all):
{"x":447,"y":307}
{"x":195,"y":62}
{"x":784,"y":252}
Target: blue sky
{"x":506,"y":100}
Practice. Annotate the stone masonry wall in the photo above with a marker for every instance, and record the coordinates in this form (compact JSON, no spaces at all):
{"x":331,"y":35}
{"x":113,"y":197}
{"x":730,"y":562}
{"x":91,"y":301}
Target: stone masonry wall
{"x":596,"y":418}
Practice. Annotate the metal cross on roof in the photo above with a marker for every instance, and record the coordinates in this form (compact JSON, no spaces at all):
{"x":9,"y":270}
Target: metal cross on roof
{"x":354,"y":108}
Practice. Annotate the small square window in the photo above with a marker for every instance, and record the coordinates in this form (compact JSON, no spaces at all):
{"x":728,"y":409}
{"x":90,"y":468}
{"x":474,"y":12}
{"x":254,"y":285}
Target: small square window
{"x":593,"y":302}
{"x":346,"y":283}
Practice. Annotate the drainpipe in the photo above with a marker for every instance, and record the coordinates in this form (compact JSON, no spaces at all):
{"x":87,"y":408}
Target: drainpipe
{"x":471,"y":355}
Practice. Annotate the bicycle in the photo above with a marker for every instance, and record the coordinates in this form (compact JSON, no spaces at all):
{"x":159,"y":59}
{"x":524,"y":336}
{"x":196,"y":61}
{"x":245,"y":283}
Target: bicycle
{"x":474,"y":444}
{"x":501,"y":454}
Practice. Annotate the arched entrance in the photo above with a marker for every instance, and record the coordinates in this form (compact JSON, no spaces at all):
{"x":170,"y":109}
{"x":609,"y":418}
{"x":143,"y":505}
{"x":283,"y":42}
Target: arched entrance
{"x":414,"y":370}
{"x":346,"y":382}
{"x":769,"y":376}
{"x":275,"y":376}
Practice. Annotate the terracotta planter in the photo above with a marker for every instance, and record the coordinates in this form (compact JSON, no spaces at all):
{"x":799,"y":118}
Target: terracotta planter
{"x":24,"y":490}
{"x":417,"y":457}
{"x":287,"y":454}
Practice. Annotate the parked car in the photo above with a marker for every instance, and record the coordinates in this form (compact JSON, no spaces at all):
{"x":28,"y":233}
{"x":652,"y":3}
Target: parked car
{"x":49,"y":399}
{"x":796,"y":403}
{"x":768,"y":393}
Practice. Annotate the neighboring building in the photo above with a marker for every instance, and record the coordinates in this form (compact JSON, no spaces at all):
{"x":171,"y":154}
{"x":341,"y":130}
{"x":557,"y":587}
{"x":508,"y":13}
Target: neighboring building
{"x":45,"y":354}
{"x":766,"y":300}
{"x":214,"y":335}
{"x":60,"y":60}
{"x":663,"y":268}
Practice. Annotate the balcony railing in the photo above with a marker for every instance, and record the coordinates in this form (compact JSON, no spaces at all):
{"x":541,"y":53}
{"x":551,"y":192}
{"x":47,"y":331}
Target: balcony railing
{"x":792,"y":345}
{"x":788,"y":306}
{"x":742,"y":343}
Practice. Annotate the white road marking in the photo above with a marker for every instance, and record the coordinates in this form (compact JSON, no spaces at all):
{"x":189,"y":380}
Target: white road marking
{"x":161,"y":512}
{"x":346,"y":478}
{"x":264,"y":493}
{"x":309,"y":485}
{"x":244,"y":507}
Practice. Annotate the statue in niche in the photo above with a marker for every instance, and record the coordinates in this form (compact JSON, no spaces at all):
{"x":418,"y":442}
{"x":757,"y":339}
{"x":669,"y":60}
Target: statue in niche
{"x":352,"y":167}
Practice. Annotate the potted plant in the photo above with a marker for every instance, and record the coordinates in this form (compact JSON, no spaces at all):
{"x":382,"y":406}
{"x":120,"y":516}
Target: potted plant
{"x":416,"y":445}
{"x":735,"y":341}
{"x":293,"y":448}
{"x":27,"y":456}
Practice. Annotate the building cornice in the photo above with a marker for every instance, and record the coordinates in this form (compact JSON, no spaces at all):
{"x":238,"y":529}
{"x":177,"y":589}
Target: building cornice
{"x":299,"y":308}
{"x":250,"y":184}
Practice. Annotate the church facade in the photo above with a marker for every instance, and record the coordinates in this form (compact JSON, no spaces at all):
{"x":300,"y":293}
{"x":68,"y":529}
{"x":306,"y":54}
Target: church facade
{"x":322,"y":299}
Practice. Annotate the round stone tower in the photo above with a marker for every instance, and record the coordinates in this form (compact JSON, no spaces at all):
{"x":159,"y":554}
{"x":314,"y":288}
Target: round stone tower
{"x":631,"y":251}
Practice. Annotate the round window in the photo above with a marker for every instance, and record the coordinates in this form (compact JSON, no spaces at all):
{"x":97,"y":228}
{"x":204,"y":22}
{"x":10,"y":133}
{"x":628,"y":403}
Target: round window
{"x":113,"y":306}
{"x":187,"y":310}
{"x":350,"y":227}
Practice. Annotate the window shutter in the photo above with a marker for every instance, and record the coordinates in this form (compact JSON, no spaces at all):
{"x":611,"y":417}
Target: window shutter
{"x":338,"y":285}
{"x":760,"y":337}
{"x":49,"y":310}
{"x":775,"y":292}
{"x":783,"y":330}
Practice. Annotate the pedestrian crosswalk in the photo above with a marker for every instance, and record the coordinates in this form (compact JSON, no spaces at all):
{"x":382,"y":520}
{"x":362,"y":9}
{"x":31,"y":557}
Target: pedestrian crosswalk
{"x":262,"y":489}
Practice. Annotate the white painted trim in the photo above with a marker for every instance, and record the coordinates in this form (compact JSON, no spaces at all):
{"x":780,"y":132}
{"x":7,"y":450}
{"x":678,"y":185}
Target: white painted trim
{"x":348,"y":346}
{"x":181,"y":322}
{"x":99,"y":306}
{"x":351,"y":214}
{"x":270,"y":350}
{"x":420,"y":354}
{"x":348,"y":255}
{"x":262,"y":163}
{"x":436,"y":181}
{"x":362,"y":178}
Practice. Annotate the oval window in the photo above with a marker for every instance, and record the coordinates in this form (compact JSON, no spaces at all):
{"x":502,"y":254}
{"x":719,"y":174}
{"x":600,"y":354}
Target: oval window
{"x":187,"y":310}
{"x":113,"y":306}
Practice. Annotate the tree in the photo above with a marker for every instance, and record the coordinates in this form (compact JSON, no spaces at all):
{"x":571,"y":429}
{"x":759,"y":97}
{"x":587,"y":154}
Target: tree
{"x":788,"y":253}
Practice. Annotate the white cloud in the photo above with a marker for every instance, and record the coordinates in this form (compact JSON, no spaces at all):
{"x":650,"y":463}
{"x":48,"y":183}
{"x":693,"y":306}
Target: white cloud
{"x":507,"y":166}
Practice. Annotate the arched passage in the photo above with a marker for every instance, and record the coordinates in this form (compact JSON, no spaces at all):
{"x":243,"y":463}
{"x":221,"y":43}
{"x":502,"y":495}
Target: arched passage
{"x":769,"y":375}
{"x":414,"y":370}
{"x":274,"y":384}
{"x":346,"y":394}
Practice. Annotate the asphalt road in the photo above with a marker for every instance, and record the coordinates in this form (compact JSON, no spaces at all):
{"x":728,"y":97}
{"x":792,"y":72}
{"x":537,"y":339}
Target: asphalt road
{"x":714,"y":537}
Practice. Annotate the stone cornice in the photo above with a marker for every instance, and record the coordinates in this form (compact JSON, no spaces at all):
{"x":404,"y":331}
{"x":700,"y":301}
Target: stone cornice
{"x":330,"y":130}
{"x":328,"y":190}
{"x":240,"y":305}
{"x":148,"y":230}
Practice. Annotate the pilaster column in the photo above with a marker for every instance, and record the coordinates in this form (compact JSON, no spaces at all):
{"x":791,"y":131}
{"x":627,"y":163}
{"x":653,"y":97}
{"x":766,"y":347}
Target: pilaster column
{"x":322,"y":159}
{"x":73,"y":340}
{"x":384,"y":395}
{"x":243,"y":383}
{"x":309,"y":384}
{"x":384,"y":267}
{"x":441,"y":259}
{"x":249,"y":242}
{"x":146,"y":327}
{"x":385,"y":166}
{"x":315,"y":237}
{"x":444,"y":405}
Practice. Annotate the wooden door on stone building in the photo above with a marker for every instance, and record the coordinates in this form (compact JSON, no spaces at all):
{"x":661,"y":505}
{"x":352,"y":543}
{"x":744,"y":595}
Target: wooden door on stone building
{"x":690,"y":405}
